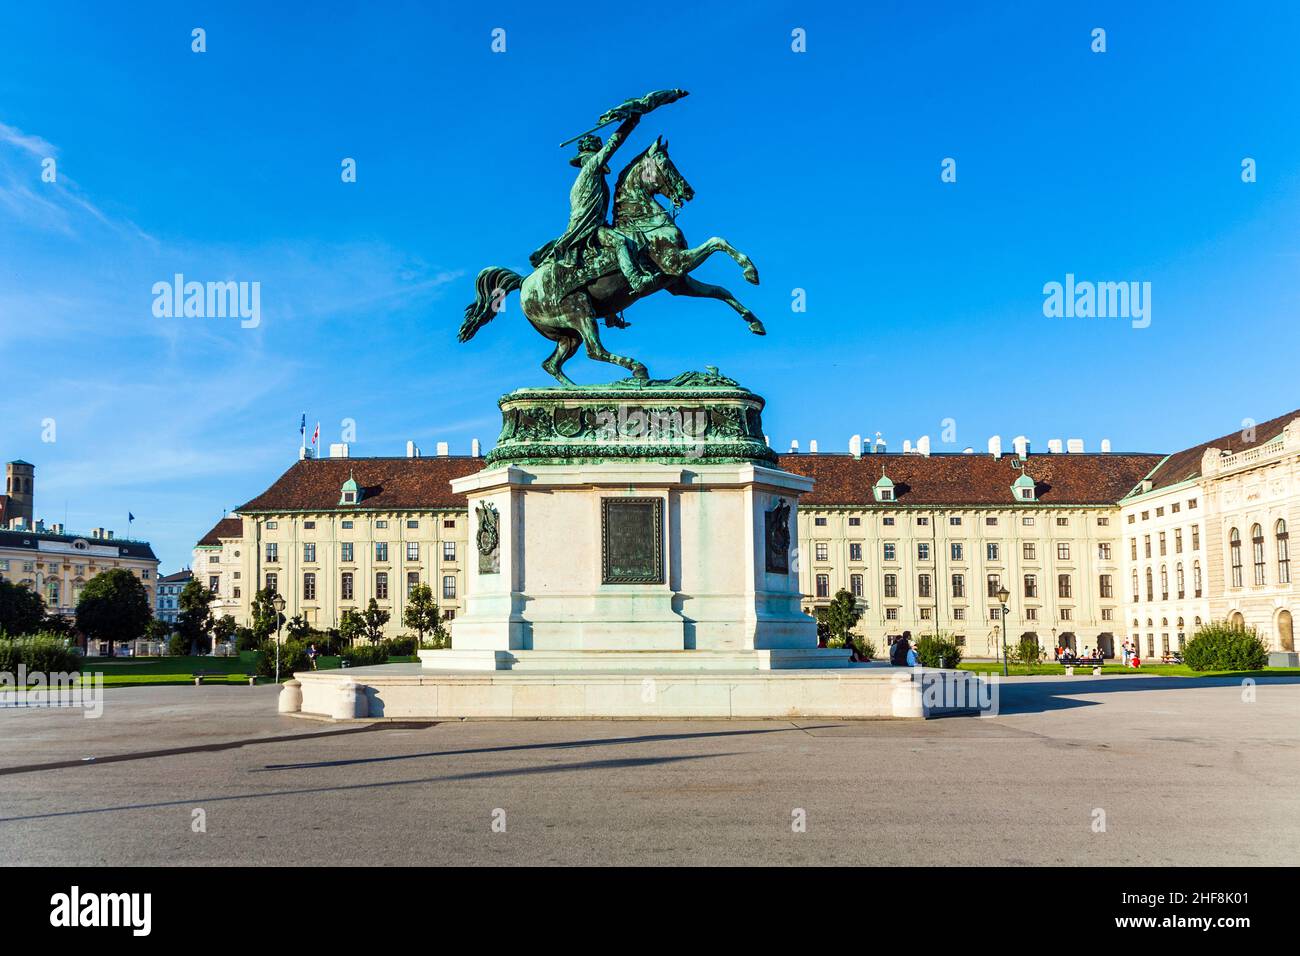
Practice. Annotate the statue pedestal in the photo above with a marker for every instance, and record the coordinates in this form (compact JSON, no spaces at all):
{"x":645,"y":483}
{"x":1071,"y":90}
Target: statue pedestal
{"x":629,"y":557}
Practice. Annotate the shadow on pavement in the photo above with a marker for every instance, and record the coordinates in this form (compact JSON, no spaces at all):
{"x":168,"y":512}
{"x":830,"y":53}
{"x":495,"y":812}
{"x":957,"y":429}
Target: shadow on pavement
{"x":1038,"y":696}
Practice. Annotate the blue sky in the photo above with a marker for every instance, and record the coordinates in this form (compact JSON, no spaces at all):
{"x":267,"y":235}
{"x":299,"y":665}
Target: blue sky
{"x":924,"y":298}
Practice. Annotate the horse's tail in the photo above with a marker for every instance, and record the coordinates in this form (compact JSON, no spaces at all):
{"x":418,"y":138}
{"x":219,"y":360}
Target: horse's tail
{"x":492,"y":286}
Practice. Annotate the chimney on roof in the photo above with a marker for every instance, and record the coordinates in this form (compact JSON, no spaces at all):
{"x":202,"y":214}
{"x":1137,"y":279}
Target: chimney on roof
{"x":995,"y":446}
{"x":412,"y":450}
{"x":108,"y":535}
{"x":812,"y":446}
{"x":855,"y":446}
{"x":1105,"y":446}
{"x":40,"y":525}
{"x":1074,"y":446}
{"x":97,"y":532}
{"x":907,"y":446}
{"x":441,"y":449}
{"x":881,"y":445}
{"x":794,"y":446}
{"x":923,"y":446}
{"x":1021,"y":444}
{"x":339,"y":449}
{"x":1054,"y":446}
{"x":57,"y":528}
{"x":303,"y":453}
{"x":475,"y":449}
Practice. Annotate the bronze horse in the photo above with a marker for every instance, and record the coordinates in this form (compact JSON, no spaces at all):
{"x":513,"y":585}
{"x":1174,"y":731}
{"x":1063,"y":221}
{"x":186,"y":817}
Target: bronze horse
{"x":564,"y":300}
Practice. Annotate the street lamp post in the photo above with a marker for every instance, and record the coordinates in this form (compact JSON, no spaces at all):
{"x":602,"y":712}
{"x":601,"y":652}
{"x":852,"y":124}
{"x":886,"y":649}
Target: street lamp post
{"x":277,"y":602}
{"x":1002,"y":596}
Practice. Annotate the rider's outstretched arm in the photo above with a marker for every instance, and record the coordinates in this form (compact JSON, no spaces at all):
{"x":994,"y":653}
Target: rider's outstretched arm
{"x":616,"y":140}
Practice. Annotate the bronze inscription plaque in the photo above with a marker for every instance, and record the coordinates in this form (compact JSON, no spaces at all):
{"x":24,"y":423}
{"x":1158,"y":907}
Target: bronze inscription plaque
{"x":631,"y":534}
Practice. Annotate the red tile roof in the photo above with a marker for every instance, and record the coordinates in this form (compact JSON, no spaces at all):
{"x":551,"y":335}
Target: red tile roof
{"x":1186,"y":464}
{"x":396,"y":484}
{"x":225,"y":528}
{"x":958,"y":479}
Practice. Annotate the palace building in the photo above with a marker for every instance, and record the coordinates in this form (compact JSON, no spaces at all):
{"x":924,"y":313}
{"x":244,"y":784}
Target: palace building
{"x":1094,"y":547}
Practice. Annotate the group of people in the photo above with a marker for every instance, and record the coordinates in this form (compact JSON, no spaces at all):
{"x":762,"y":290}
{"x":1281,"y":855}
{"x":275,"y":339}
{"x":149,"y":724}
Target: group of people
{"x":1131,"y":658}
{"x":1065,"y":654}
{"x":902,"y":652}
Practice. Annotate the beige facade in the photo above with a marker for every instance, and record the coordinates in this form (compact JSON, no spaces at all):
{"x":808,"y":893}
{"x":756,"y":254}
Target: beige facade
{"x":937,"y":568}
{"x":1254,"y":502}
{"x":57,"y":566}
{"x":323,"y":564}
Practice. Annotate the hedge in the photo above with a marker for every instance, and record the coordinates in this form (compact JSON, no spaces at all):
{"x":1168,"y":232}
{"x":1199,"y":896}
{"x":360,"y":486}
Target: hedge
{"x":1218,"y":646}
{"x":45,"y":653}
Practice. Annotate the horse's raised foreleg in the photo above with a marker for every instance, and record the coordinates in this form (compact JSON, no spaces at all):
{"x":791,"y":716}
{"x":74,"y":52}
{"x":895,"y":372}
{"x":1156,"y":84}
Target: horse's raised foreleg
{"x":679,"y":262}
{"x":566,"y":343}
{"x":686,"y":285}
{"x":578,"y":309}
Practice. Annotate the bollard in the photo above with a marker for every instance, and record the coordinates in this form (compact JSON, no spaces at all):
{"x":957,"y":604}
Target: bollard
{"x":1096,"y":672}
{"x":198,"y":680}
{"x":290,"y":701}
{"x":350,"y":702}
{"x":1069,"y":670}
{"x":252,"y":680}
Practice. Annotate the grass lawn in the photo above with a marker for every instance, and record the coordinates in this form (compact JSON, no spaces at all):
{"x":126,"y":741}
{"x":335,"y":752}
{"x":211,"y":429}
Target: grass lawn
{"x":1146,"y":670}
{"x":139,"y":671}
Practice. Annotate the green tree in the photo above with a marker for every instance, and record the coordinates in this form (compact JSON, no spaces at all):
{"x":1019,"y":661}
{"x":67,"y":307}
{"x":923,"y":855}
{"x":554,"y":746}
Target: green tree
{"x":298,"y":628}
{"x":1028,"y":652}
{"x":223,"y":629}
{"x":265,"y":618}
{"x":21,"y":609}
{"x":373,"y":620}
{"x":114,"y":607}
{"x":351,"y":626}
{"x":423,"y":617}
{"x":840,"y":617}
{"x":158,"y":630}
{"x":195,"y":618}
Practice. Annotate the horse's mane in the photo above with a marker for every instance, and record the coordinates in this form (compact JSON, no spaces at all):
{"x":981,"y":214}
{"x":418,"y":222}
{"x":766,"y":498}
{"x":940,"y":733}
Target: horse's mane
{"x":618,"y":183}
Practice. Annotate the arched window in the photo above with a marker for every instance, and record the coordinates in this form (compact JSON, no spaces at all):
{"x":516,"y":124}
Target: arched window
{"x":1136,"y":593}
{"x":1180,"y":581}
{"x":1164,"y":583}
{"x":1196,"y":578}
{"x":1257,"y":552}
{"x":1234,"y":549}
{"x":1151,"y":591}
{"x":1283,"y":554}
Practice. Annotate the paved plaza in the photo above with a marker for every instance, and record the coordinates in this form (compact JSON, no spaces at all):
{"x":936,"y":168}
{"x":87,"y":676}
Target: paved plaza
{"x":1180,"y":772}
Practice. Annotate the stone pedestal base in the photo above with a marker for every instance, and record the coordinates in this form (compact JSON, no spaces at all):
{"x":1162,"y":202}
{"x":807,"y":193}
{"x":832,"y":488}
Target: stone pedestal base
{"x":628,"y":557}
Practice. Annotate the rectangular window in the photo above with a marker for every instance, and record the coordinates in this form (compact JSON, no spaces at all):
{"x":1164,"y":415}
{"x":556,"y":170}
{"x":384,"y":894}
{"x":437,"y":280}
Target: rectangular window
{"x":1176,"y":507}
{"x":926,"y":613}
{"x":955,"y":520}
{"x":820,"y":522}
{"x":855,"y":585}
{"x":309,"y":586}
{"x":1196,"y":537}
{"x":412,"y":551}
{"x":345,"y":586}
{"x":1108,"y":614}
{"x":309,"y":525}
{"x":1133,"y":548}
{"x":889,"y":551}
{"x":992,"y":551}
{"x":995,"y":614}
{"x":381,"y":524}
{"x":272,"y":525}
{"x":272,"y":553}
{"x":449,"y":585}
{"x":1063,"y":551}
{"x":381,"y":551}
{"x":1106,"y":587}
{"x":381,"y":585}
{"x":214,"y":583}
{"x":891,"y":585}
{"x":991,"y":522}
{"x":1160,"y":512}
{"x":309,"y":553}
{"x":959,"y":585}
{"x":1062,"y":522}
{"x":1163,"y":547}
{"x":994,"y":583}
{"x":449,"y":522}
{"x":1103,"y":551}
{"x":957,"y":551}
{"x":888,"y":522}
{"x":891,"y":614}
{"x":272,"y":583}
{"x":1064,"y":588}
{"x":1027,"y":522}
{"x":449,"y":551}
{"x":821,"y":552}
{"x":922,"y":522}
{"x":1103,"y":522}
{"x":959,"y":614}
{"x":1178,"y":541}
{"x":1191,"y":504}
{"x":346,"y":551}
{"x":1030,"y":551}
{"x":922,"y":551}
{"x":1031,"y":586}
{"x":823,"y":585}
{"x":855,"y":522}
{"x":1146,"y":545}
{"x":346,"y":525}
{"x":923,"y":585}
{"x":412,"y":581}
{"x":855,"y":551}
{"x":1031,"y":614}
{"x":1066,"y":614}
{"x":413,"y":523}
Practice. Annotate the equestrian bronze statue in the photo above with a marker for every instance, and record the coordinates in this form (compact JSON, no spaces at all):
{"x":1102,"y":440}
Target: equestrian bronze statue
{"x":597,"y":268}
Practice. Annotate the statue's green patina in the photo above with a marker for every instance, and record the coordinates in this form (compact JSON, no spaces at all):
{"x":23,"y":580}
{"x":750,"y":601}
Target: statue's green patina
{"x":596,"y":269}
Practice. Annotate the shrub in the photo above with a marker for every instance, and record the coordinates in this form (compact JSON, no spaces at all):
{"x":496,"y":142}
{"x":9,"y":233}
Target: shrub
{"x":866,"y":649}
{"x":246,"y":640}
{"x":293,"y":657}
{"x":178,"y":645}
{"x":1218,"y":646}
{"x":47,"y":653}
{"x":364,"y":655}
{"x":403,"y":646}
{"x":1028,"y":652}
{"x":938,"y":650}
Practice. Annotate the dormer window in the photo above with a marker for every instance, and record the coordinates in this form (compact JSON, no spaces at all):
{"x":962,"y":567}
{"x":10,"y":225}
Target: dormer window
{"x":350,"y":493}
{"x":1023,"y":489}
{"x":884,"y":488}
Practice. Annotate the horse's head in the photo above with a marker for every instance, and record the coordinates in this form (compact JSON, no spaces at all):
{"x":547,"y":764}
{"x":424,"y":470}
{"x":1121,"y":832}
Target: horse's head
{"x":658,"y":172}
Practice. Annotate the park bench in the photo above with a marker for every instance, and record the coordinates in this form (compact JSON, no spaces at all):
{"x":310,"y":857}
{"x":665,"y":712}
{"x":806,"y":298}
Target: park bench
{"x":199,"y":675}
{"x":1093,"y":662}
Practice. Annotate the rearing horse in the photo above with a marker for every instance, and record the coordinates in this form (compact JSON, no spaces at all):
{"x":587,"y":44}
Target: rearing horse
{"x":563,"y":301}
